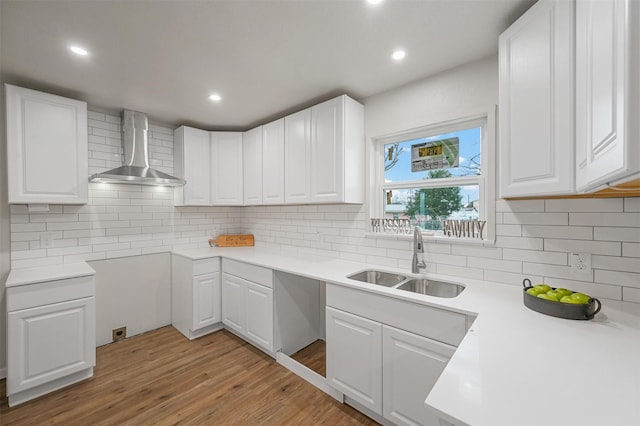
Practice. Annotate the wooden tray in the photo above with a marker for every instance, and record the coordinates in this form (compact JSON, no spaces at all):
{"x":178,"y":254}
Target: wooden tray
{"x":233,"y":240}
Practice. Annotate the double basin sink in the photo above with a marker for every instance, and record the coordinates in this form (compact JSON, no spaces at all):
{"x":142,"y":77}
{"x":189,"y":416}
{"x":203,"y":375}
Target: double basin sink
{"x":415,"y":285}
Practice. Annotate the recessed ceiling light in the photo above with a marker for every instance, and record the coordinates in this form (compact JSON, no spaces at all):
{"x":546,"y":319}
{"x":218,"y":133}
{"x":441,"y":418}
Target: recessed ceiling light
{"x":215,"y":97}
{"x":80,"y":51}
{"x":374,"y":2}
{"x":398,"y":55}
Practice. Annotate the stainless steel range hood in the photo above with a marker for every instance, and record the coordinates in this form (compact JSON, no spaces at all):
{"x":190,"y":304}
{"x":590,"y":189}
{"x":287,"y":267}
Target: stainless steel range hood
{"x":136,"y":157}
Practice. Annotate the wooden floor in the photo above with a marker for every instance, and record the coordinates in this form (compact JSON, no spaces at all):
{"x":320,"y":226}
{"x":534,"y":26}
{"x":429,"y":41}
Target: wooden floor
{"x":314,"y":357}
{"x":161,"y":378}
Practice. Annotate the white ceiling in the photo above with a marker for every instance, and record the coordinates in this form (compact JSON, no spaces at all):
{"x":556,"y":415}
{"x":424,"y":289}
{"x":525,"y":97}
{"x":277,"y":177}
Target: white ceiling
{"x":266,"y":58}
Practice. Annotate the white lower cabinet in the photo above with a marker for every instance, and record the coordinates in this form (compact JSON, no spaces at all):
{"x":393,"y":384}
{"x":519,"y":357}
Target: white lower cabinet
{"x":411,"y":366}
{"x":386,"y":370}
{"x":51,"y":336}
{"x":195,"y":295}
{"x":247,"y":302}
{"x":385,"y":355}
{"x":354,"y":357}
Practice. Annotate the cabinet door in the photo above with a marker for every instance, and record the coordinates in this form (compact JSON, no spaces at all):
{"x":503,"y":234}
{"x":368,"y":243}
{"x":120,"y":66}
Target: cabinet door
{"x":536,"y":102}
{"x":259,"y":314}
{"x":46,"y":148}
{"x":273,"y":162}
{"x":206,"y":300}
{"x":226,"y":168}
{"x":297,"y":157}
{"x":411,"y":366}
{"x":49,"y":342}
{"x":354,"y":357}
{"x":252,"y":165}
{"x":193,"y":154}
{"x":233,"y":303}
{"x":601,"y":56}
{"x":327,"y":151}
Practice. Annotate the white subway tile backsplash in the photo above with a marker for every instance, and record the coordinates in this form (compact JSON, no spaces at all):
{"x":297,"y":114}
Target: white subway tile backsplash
{"x":494,"y":264}
{"x":627,"y":279}
{"x":566,"y":232}
{"x":584,"y":205}
{"x":616,"y":234}
{"x":550,"y":271}
{"x":594,"y":247}
{"x":605,"y":219}
{"x":510,"y":278}
{"x":630,"y":294}
{"x":631,"y":249}
{"x":536,"y":218}
{"x":627,"y":264}
{"x":533,"y":237}
{"x":534,"y":256}
{"x":520,"y":206}
{"x":632,"y":204}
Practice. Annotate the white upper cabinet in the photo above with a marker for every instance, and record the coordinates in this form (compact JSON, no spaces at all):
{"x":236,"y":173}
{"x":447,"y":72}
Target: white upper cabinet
{"x":46,"y":148}
{"x":536,"y":102}
{"x":607,"y":92}
{"x":252,"y":166}
{"x":297,"y":157}
{"x":226,"y":169}
{"x":273,"y":162}
{"x":324,"y":153}
{"x":191,"y":150}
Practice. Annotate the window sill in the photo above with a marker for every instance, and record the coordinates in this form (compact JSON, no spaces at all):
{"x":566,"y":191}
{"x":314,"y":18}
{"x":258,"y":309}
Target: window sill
{"x":426,"y":237}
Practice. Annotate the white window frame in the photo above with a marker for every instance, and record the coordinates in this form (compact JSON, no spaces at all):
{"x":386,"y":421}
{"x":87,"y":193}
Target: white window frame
{"x":485,"y":181}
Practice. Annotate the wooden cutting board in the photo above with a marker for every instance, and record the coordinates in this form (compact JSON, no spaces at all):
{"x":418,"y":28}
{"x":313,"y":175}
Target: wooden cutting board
{"x":233,"y":240}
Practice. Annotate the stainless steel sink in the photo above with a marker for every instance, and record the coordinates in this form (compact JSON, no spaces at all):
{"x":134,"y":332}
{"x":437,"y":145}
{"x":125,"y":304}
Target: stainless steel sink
{"x":378,"y":277}
{"x":431,"y":287}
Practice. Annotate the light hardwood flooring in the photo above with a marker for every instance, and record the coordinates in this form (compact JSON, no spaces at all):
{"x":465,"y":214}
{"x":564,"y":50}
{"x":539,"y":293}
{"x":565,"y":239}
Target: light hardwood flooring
{"x":313,"y":357}
{"x":161,"y":378}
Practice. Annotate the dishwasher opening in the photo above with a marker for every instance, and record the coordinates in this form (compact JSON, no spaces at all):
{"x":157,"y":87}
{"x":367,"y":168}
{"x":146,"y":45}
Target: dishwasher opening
{"x":300,"y":323}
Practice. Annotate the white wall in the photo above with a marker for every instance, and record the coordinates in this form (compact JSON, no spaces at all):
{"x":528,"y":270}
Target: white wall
{"x":134,"y":292}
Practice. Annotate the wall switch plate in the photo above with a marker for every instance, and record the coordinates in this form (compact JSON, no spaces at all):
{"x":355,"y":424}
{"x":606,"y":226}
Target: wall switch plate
{"x":581,"y":263}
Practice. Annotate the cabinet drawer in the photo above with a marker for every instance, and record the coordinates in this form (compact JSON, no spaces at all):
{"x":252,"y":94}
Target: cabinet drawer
{"x":33,"y":295}
{"x":206,"y":266}
{"x":253,"y":273}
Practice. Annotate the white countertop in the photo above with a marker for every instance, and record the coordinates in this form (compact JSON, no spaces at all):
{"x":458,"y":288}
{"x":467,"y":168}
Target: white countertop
{"x":23,"y":276}
{"x":515,"y":366}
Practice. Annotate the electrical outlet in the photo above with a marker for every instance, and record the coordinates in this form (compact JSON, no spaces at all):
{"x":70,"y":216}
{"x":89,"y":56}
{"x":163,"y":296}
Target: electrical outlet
{"x":119,"y":333}
{"x":580,"y":263}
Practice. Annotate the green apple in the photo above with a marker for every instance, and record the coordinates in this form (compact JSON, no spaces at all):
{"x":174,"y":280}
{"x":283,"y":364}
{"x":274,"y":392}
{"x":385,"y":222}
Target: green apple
{"x":535,"y":291}
{"x":554,"y":294}
{"x":543,"y":288}
{"x":564,"y":291}
{"x":581,"y":298}
{"x":569,"y":299}
{"x":545,"y":296}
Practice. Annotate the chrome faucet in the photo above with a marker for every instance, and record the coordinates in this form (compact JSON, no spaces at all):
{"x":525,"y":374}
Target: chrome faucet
{"x":418,"y":247}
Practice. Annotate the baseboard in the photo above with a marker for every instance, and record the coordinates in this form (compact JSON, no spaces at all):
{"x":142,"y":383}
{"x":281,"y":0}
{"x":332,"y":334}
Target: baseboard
{"x":3,"y":373}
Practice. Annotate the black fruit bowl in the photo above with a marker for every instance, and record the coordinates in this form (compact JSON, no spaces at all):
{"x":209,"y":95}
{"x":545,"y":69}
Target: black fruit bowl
{"x":558,"y":309}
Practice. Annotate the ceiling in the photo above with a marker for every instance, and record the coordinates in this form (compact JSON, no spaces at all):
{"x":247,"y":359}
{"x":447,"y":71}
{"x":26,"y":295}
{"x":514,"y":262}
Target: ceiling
{"x":265,"y":58}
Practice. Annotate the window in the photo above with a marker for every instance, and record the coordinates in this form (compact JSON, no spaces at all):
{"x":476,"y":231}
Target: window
{"x":439,"y":177}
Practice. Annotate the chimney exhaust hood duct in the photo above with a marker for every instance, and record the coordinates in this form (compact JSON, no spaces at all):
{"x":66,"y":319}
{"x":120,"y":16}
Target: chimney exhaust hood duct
{"x":136,"y":157}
